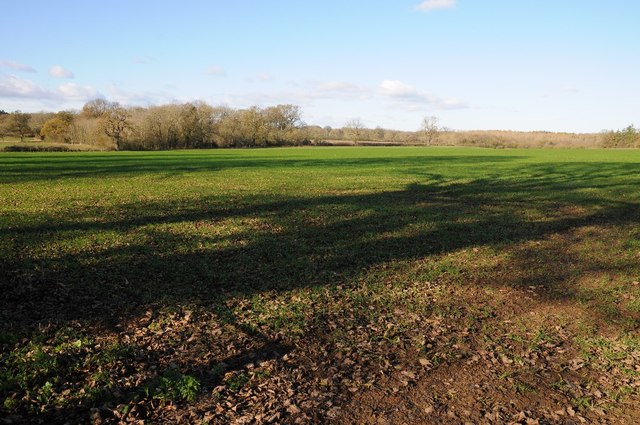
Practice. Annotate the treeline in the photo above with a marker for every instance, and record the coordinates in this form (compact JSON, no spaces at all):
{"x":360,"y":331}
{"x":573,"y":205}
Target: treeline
{"x":628,"y":137}
{"x":109,"y":125}
{"x":189,"y":125}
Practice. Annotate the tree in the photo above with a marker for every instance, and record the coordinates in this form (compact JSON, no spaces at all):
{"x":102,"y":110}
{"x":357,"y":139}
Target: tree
{"x":228,"y":127}
{"x":282,"y":121}
{"x":283,"y":117}
{"x":19,"y":124}
{"x":196,"y":125}
{"x":628,"y":137}
{"x":430,"y":130}
{"x":314,"y":134}
{"x":37,"y":121}
{"x":378,"y":133}
{"x":253,"y":127}
{"x":115,"y":123}
{"x":96,"y":108}
{"x":159,"y":127}
{"x":58,"y":128}
{"x":4,"y":125}
{"x":354,"y":129}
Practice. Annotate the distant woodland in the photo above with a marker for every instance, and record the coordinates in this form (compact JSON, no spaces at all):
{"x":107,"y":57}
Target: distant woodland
{"x":106,"y":125}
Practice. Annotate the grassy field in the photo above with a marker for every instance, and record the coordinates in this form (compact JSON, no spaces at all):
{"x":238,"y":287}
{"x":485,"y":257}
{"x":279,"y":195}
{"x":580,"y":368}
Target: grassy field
{"x":314,"y":285}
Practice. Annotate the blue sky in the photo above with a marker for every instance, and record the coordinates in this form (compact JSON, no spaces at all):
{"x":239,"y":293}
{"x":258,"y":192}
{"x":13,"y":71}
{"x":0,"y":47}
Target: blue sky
{"x":558,"y":65}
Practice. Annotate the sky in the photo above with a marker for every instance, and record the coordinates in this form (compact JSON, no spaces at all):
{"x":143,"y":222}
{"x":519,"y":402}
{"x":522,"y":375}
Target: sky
{"x":553,"y":65}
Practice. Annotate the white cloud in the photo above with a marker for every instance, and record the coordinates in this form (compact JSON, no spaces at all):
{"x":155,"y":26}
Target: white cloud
{"x":413,"y":99}
{"x":59,"y":72}
{"x":144,"y":98}
{"x":452,"y":103}
{"x":399,"y":95}
{"x":71,"y":91}
{"x":340,"y":89}
{"x":265,"y":98}
{"x":16,"y":65}
{"x":263,"y":77}
{"x":429,"y":5}
{"x":215,"y":70}
{"x":15,"y":87}
{"x":395,"y":88}
{"x":302,"y":93}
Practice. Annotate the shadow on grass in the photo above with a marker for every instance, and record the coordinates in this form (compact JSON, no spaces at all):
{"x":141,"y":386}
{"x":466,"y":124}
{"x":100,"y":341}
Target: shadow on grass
{"x":19,"y":168}
{"x":171,"y":253}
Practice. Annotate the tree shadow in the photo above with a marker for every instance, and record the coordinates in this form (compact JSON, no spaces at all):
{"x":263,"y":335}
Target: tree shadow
{"x":176,"y":252}
{"x":291,"y":242}
{"x":24,"y":168}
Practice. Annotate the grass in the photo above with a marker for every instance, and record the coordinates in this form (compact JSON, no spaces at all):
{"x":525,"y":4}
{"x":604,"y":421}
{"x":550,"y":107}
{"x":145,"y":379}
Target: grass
{"x":13,"y":144}
{"x":173,"y":385}
{"x":237,"y":261}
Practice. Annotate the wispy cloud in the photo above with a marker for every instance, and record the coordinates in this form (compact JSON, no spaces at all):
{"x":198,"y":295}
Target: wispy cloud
{"x":302,"y":93}
{"x":263,"y":77}
{"x":144,"y":98}
{"x":413,"y":99}
{"x":16,"y":87}
{"x":13,"y":87}
{"x":398,"y":89}
{"x":339,"y":89}
{"x":59,"y":72}
{"x":16,"y":66}
{"x":142,"y":60}
{"x":307,"y":93}
{"x":429,"y":5}
{"x":216,"y":71}
{"x":72,"y":91}
{"x":263,"y":98}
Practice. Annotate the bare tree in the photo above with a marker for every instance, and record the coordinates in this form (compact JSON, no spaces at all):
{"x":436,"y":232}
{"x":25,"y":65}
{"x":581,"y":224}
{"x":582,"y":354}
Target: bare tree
{"x":283,"y":123}
{"x":115,"y":123}
{"x":283,"y":117}
{"x":96,"y":108}
{"x":378,"y":133}
{"x":253,"y":126}
{"x":430,"y":130}
{"x":354,"y":128}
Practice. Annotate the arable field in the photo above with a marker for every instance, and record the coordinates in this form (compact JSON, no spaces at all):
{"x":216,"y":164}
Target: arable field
{"x":320,"y":285}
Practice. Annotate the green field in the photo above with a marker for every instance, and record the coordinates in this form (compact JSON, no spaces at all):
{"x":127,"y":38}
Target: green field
{"x":346,"y":285}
